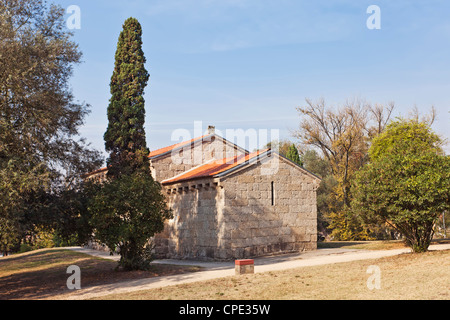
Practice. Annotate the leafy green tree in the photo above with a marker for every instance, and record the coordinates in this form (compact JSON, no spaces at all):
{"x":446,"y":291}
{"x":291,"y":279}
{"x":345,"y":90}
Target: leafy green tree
{"x":40,"y":147}
{"x":293,"y":155}
{"x":70,"y":217}
{"x":129,"y":208}
{"x":126,"y":213}
{"x":406,"y":183}
{"x":314,"y":163}
{"x":125,"y":135}
{"x":281,"y":146}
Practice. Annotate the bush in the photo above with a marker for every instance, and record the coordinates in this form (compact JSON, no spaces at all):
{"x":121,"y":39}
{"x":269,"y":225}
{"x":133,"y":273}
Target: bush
{"x":126,"y":213}
{"x":406,"y":184}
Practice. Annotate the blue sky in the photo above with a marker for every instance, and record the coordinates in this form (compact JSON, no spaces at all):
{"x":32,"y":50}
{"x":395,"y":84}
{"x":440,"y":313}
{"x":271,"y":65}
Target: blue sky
{"x":240,"y":64}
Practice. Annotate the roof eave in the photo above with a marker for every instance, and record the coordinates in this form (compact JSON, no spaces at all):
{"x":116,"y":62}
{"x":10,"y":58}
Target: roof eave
{"x":188,"y":143}
{"x":298,"y":166}
{"x":244,"y":164}
{"x":203,"y":138}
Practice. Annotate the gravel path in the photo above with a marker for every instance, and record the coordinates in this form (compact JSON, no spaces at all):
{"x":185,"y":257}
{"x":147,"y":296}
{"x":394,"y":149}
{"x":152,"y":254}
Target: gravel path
{"x":215,"y":270}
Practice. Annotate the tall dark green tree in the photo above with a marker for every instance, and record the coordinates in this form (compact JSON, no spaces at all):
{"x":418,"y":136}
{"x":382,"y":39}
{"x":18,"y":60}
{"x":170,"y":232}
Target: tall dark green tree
{"x":125,"y":137}
{"x":129,"y":209}
{"x":293,"y":155}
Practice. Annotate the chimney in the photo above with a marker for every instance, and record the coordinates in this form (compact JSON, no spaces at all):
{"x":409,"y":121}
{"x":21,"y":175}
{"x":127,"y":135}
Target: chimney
{"x":211,"y":129}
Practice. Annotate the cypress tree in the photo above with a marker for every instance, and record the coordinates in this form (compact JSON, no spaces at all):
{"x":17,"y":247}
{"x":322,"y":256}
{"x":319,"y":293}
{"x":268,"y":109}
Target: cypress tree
{"x":129,"y":209}
{"x":293,"y":155}
{"x":125,"y":136}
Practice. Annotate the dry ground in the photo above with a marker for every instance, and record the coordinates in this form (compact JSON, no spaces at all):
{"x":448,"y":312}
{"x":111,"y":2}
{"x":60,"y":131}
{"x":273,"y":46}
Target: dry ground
{"x":42,"y":273}
{"x":368,"y":245}
{"x":407,"y":276}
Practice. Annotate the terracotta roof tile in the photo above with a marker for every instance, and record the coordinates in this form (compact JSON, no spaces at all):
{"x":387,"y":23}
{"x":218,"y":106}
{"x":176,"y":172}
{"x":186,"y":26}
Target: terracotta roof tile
{"x":208,"y":169}
{"x":214,"y":167}
{"x":155,"y":153}
{"x":94,"y":172}
{"x":170,"y":148}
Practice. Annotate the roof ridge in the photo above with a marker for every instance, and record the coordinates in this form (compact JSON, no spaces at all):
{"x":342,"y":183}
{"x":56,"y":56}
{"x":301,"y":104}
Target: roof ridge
{"x":162,"y":151}
{"x":167,"y":149}
{"x":215,"y":167}
{"x":187,"y":171}
{"x":248,"y":157}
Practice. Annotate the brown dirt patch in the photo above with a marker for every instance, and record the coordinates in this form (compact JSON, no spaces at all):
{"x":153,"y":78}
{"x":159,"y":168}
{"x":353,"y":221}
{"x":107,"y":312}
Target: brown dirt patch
{"x":41,"y":274}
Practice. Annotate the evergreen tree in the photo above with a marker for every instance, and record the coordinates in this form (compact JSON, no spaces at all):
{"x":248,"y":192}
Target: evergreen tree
{"x":125,"y":136}
{"x":293,"y":155}
{"x":129,"y":209}
{"x":127,"y":212}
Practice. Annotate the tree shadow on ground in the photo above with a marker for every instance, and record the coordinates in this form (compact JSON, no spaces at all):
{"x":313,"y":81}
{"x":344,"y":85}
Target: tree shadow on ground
{"x":43,"y":274}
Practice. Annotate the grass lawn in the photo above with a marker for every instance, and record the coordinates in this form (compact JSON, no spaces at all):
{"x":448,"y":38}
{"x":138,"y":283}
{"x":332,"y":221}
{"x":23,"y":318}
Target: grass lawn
{"x":42,"y":273}
{"x":404,"y":277}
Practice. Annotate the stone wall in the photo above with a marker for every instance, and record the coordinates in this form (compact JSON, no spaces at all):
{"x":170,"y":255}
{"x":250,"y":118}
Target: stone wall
{"x":255,"y":227}
{"x":233,"y":217}
{"x":173,"y":164}
{"x":193,"y":233}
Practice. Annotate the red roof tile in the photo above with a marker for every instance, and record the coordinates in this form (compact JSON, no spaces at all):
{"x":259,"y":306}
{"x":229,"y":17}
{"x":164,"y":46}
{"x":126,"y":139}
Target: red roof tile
{"x":214,"y":167}
{"x":94,"y":172}
{"x":170,"y":148}
{"x":208,"y":169}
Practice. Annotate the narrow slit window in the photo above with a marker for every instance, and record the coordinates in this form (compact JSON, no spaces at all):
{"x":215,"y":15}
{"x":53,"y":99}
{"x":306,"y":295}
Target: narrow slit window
{"x":272,"y":193}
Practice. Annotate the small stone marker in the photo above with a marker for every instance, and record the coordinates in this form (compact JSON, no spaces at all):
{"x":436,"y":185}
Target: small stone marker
{"x":244,"y":267}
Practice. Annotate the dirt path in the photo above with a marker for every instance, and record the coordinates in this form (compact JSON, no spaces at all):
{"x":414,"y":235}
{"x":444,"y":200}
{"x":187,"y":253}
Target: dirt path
{"x":224,"y":269}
